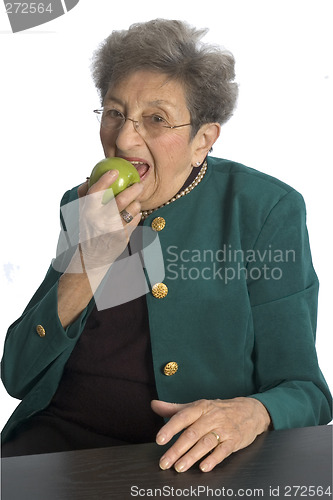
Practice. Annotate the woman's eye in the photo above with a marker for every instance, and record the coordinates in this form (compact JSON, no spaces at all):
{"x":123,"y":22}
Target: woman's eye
{"x":158,"y":120}
{"x":113,"y":113}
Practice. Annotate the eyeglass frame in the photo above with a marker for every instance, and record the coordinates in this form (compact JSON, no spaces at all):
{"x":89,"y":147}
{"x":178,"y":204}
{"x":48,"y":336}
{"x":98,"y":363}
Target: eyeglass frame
{"x":136,"y":123}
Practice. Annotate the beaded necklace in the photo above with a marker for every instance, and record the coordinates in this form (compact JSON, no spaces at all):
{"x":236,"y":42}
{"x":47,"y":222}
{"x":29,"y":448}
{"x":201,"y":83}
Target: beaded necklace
{"x":197,"y":180}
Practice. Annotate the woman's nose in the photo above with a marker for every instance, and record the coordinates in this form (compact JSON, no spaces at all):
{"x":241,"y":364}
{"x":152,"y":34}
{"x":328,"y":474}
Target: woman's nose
{"x":128,"y":136}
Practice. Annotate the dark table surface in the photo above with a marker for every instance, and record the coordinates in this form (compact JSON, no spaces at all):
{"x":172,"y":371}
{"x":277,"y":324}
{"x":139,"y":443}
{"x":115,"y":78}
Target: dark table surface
{"x":294,"y":463}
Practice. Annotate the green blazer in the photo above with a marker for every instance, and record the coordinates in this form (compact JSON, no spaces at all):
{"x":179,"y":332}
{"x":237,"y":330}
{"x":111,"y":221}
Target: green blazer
{"x":238,"y":319}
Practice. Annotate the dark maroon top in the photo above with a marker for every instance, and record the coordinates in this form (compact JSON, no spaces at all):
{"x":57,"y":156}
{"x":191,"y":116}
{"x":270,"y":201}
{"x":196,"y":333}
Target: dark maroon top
{"x":108,"y":381}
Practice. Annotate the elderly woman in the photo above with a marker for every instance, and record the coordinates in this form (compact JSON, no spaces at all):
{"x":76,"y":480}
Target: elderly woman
{"x":222,"y":347}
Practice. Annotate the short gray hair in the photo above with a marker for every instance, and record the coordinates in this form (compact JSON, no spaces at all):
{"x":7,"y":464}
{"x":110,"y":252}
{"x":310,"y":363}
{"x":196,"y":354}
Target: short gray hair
{"x":173,"y":48}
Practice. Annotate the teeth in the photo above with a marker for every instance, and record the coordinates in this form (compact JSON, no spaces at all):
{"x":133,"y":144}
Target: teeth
{"x":137,"y":162}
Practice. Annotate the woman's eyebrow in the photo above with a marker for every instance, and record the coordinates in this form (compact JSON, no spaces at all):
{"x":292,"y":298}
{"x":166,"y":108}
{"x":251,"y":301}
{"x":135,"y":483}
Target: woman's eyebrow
{"x":161,"y":102}
{"x":155,"y":102}
{"x":113,"y":98}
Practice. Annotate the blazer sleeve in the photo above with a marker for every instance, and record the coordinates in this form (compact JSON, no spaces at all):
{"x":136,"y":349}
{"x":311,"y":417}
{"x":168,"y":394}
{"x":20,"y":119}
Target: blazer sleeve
{"x":28,"y":355}
{"x":284,"y":299}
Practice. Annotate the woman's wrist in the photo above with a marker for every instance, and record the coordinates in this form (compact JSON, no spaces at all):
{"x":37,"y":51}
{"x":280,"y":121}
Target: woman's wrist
{"x":264,"y":419}
{"x":76,"y":288}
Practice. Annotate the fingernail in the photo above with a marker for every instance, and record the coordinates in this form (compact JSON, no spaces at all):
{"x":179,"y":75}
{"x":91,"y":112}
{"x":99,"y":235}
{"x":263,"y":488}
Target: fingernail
{"x":180,"y":467}
{"x":205,"y":467}
{"x":160,"y":438}
{"x":164,"y":463}
{"x":113,"y":172}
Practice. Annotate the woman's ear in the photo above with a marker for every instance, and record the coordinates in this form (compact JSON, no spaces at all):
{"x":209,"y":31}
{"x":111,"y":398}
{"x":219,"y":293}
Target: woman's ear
{"x":204,"y":140}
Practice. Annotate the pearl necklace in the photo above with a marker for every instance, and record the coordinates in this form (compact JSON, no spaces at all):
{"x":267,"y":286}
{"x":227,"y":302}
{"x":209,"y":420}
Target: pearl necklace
{"x":199,"y":177}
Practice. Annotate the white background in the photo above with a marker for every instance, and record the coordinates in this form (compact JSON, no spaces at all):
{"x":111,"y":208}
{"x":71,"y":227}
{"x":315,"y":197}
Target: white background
{"x":49,"y":136}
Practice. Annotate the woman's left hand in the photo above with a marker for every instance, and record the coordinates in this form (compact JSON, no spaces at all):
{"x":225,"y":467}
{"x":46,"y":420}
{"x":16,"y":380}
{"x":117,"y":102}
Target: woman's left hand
{"x":211,"y":428}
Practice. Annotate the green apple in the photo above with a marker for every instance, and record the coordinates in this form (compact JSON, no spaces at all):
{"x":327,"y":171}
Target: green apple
{"x":128,"y":175}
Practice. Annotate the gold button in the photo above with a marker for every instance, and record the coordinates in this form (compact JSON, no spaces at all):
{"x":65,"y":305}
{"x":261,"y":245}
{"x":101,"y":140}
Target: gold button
{"x":170,"y":368}
{"x":40,"y":330}
{"x":158,"y":224}
{"x":160,"y":290}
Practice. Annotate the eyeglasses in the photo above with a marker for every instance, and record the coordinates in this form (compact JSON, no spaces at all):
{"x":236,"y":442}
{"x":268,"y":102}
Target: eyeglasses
{"x":150,"y":125}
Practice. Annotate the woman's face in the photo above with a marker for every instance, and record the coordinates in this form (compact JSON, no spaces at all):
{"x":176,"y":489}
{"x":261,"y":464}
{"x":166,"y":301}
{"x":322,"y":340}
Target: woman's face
{"x":166,"y":160}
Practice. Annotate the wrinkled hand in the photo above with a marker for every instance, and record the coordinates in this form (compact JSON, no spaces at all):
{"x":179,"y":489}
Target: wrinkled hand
{"x":103,"y":233}
{"x":219,"y":427}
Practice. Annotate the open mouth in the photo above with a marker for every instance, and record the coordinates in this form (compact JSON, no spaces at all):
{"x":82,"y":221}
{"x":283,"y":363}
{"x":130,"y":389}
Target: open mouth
{"x":141,"y":167}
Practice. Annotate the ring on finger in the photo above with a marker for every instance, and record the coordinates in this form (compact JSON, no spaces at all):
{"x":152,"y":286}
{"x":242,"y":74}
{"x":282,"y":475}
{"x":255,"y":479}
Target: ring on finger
{"x":126,"y":216}
{"x":217,"y":437}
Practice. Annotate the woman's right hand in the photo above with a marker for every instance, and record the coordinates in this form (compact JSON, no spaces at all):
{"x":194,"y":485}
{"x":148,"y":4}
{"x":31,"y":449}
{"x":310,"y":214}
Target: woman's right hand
{"x":103,"y":233}
{"x":103,"y":237}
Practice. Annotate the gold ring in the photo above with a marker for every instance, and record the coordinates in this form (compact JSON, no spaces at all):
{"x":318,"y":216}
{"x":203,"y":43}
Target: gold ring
{"x":217,"y":437}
